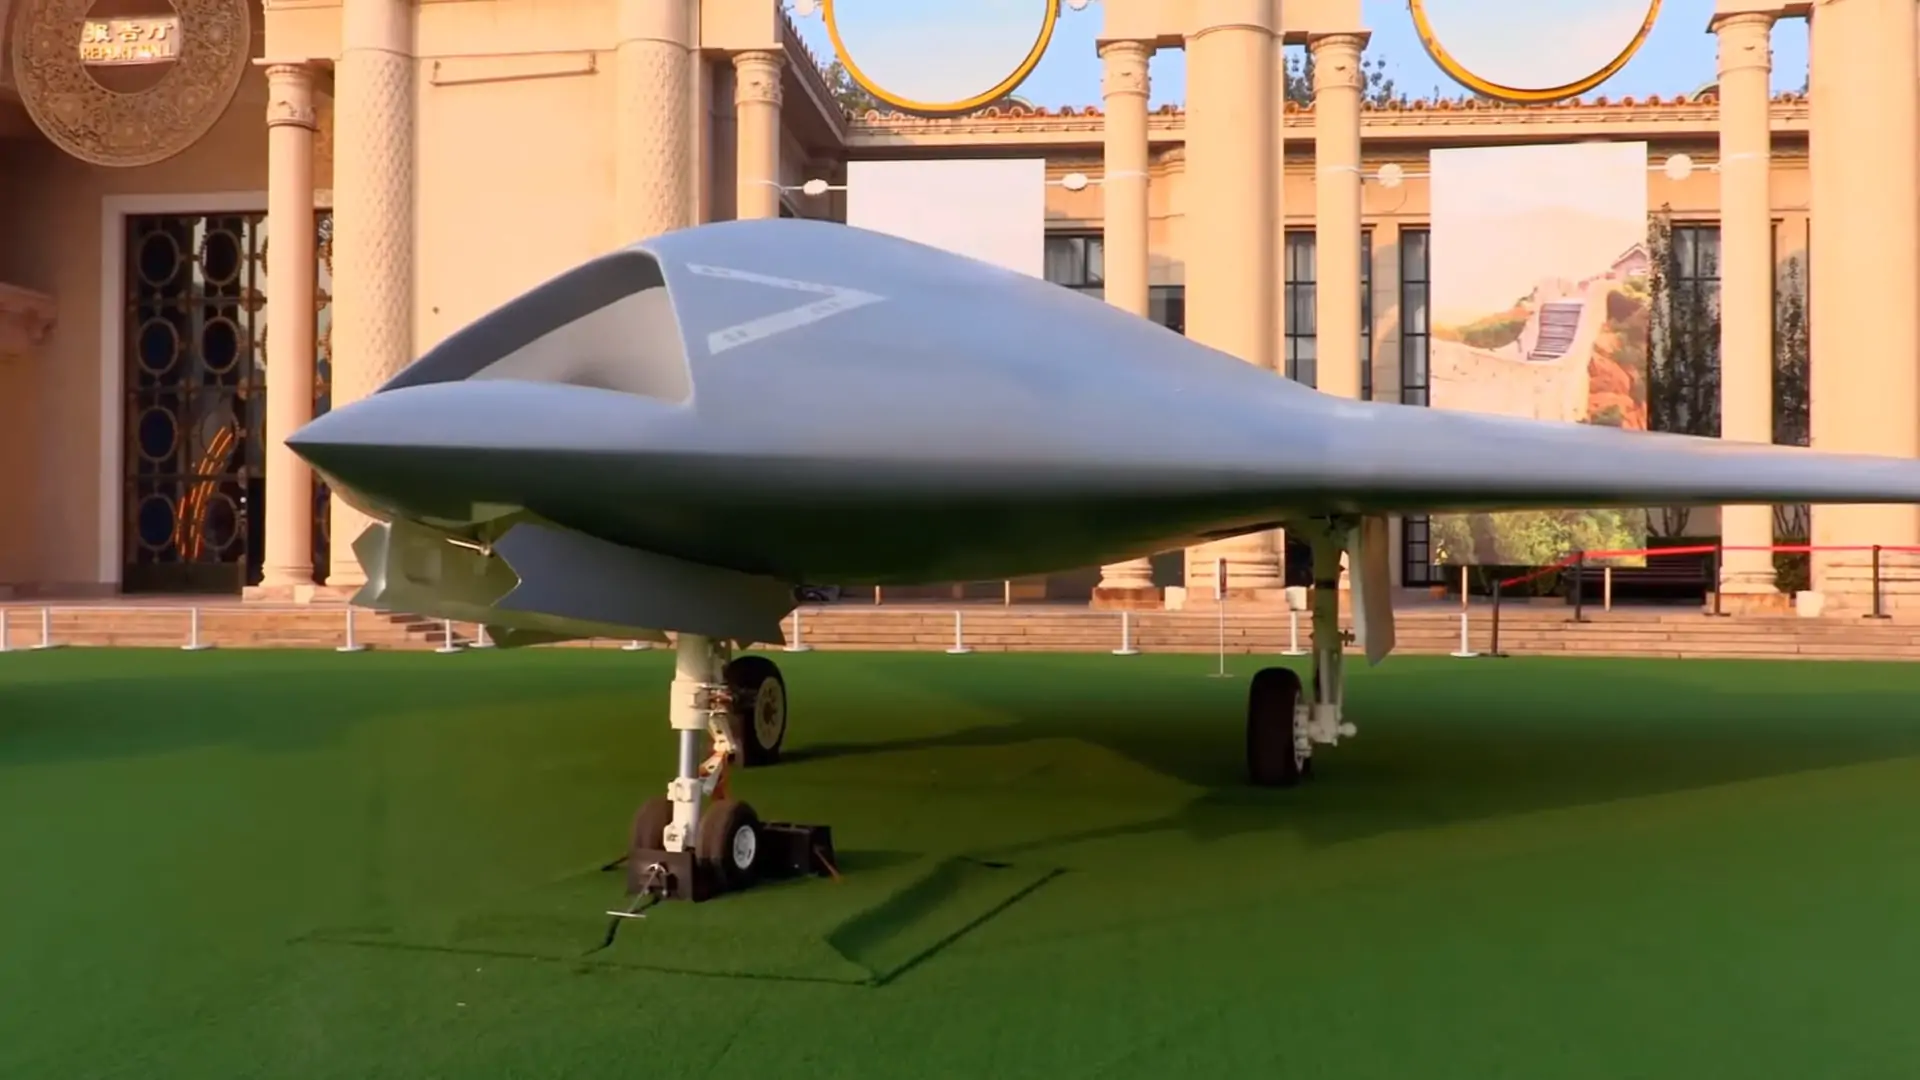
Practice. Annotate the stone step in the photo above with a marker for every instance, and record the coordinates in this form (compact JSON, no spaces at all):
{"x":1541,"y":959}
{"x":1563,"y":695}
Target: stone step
{"x":1523,"y":631}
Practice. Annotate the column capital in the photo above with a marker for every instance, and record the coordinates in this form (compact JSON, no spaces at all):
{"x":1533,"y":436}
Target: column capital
{"x":1127,"y":68}
{"x":757,"y":77}
{"x":1354,"y":41}
{"x":1743,"y":20}
{"x":1745,"y":40}
{"x":1336,"y":61}
{"x":290,"y":93}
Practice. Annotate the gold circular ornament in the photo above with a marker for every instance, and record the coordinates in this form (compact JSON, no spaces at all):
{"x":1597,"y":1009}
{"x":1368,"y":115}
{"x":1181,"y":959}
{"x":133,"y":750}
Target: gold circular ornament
{"x":125,"y":130}
{"x":980,"y":58}
{"x":1545,"y":50}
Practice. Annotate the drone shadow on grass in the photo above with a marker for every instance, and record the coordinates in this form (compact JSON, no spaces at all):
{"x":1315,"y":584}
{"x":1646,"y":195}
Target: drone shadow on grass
{"x":1449,"y":745}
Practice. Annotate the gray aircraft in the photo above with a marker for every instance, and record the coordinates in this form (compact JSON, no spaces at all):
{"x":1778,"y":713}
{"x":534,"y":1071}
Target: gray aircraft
{"x":675,"y":436}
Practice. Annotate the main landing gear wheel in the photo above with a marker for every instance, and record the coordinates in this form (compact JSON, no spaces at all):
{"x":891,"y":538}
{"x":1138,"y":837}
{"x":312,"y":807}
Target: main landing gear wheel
{"x":759,"y":709}
{"x":729,"y":843}
{"x":1276,"y":754}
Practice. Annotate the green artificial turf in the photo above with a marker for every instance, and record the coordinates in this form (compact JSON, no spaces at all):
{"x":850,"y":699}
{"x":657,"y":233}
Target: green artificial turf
{"x":388,"y":865}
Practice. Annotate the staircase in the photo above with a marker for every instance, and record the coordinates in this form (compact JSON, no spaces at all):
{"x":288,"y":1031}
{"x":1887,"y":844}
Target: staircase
{"x":1525,"y":630}
{"x":1559,"y":321}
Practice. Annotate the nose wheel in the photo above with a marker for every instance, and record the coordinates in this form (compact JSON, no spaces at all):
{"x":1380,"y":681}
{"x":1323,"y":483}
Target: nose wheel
{"x":698,"y":842}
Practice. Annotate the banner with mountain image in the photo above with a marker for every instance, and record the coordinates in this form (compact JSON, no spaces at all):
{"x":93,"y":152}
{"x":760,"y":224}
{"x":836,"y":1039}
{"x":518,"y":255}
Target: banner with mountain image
{"x":1539,"y":308}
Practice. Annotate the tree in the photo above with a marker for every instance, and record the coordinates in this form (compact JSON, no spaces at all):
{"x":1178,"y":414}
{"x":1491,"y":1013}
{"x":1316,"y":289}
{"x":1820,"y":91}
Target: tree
{"x":852,"y":98}
{"x":1376,"y":85}
{"x":855,"y":101}
{"x":1683,"y":342}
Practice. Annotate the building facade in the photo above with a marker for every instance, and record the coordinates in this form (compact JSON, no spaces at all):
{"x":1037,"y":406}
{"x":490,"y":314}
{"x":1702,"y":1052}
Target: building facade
{"x":161,"y":326}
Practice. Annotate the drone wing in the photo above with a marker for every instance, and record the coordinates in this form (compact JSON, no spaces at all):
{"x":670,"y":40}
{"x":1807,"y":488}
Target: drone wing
{"x":1394,"y":458}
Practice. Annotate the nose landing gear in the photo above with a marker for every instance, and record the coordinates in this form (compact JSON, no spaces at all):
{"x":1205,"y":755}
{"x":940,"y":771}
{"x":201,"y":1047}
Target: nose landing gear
{"x":697,"y":842}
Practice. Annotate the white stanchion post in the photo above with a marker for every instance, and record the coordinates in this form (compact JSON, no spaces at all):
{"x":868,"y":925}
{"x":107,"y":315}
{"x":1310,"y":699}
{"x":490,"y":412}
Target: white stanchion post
{"x":959,"y":637}
{"x":6,"y":643}
{"x":1293,"y":634}
{"x":446,"y":638}
{"x":1465,"y":651}
{"x":481,"y":639}
{"x":350,"y":645}
{"x":194,"y":644}
{"x":1606,"y":590}
{"x":799,"y":642}
{"x":1220,"y":604}
{"x":46,"y":630}
{"x":1126,"y":636}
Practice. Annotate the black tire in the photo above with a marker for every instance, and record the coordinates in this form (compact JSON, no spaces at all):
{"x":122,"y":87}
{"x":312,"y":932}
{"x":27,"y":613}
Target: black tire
{"x":1271,"y":757}
{"x":650,"y":825}
{"x":729,"y":844}
{"x":759,"y":709}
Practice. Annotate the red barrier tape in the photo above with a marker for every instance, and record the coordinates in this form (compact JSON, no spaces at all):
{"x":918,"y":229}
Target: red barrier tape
{"x":1700,"y":549}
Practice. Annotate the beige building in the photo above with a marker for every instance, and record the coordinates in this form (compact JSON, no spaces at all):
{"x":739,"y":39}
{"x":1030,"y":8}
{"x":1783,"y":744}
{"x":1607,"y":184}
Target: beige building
{"x":161,"y":327}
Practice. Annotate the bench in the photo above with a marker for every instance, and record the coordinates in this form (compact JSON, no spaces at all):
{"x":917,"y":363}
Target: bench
{"x":1683,"y":578}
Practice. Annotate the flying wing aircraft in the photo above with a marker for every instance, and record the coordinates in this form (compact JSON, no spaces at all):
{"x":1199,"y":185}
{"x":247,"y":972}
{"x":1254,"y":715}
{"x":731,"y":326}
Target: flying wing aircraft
{"x":675,"y":436}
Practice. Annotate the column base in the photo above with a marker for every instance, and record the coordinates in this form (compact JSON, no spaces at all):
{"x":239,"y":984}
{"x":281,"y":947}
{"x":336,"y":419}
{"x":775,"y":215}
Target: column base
{"x":1128,"y":598}
{"x":1754,"y":602}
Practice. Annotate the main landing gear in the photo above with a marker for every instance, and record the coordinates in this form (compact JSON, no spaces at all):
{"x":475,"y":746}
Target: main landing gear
{"x":697,"y":842}
{"x":1283,"y":725}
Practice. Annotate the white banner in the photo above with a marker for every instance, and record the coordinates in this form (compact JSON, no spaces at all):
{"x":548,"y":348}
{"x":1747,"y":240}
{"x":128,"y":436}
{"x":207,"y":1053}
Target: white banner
{"x":994,"y":210}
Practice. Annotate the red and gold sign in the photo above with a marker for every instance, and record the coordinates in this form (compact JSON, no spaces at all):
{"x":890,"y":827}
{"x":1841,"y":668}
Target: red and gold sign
{"x":113,"y":42}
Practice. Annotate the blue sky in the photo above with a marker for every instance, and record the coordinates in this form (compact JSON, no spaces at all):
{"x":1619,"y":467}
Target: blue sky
{"x":935,"y":45}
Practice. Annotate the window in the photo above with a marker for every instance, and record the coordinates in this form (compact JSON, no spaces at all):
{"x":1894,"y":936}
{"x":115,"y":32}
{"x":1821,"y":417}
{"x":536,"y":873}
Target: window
{"x":1078,"y":261}
{"x":1300,"y":264}
{"x":1303,"y":326}
{"x":1167,"y":305}
{"x":1414,"y":283}
{"x":1683,"y":370}
{"x":1416,"y":539}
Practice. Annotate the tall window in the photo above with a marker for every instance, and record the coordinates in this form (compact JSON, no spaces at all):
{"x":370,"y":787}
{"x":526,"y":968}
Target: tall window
{"x":1416,"y":538}
{"x":1300,"y":263}
{"x":1078,"y":262}
{"x":1683,"y":365}
{"x":1414,"y":286}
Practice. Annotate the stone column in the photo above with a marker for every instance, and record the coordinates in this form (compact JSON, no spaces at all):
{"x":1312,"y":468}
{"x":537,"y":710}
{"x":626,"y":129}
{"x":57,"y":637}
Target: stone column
{"x":653,"y":122}
{"x":756,"y":108}
{"x":287,"y":566}
{"x":1124,"y":90}
{"x":1385,"y":282}
{"x":1337,"y":82}
{"x":373,"y":192}
{"x":1746,"y":279}
{"x":1864,"y":278}
{"x":1233,"y":90}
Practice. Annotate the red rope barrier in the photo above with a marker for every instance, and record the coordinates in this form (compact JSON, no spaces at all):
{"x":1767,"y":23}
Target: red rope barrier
{"x":1700,"y":549}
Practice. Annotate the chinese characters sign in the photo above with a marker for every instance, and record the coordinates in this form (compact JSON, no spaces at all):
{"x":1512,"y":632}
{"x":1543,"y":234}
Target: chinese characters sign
{"x":106,"y":42}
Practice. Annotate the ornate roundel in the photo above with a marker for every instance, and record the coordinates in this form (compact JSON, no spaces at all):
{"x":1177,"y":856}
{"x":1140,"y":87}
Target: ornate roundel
{"x":82,"y":116}
{"x":939,"y":57}
{"x":1541,"y":50}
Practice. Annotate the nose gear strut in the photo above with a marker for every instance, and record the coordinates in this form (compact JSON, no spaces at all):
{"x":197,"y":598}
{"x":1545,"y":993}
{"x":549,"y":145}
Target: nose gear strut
{"x":698,"y":842}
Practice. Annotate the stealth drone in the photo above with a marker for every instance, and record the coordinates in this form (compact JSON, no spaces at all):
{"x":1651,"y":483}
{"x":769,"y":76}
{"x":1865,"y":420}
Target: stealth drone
{"x":675,"y":436}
